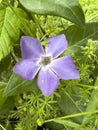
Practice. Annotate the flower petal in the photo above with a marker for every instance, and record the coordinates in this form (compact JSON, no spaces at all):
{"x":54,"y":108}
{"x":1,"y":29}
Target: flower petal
{"x":65,"y":68}
{"x":26,"y":69}
{"x":47,"y":81}
{"x":30,"y":47}
{"x":57,"y":45}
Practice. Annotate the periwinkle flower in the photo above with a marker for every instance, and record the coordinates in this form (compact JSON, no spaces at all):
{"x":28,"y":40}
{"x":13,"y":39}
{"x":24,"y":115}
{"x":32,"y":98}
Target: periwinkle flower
{"x":35,"y":59}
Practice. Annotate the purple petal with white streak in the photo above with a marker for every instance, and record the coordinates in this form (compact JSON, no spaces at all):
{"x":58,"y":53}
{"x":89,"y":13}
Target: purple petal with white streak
{"x":47,"y":81}
{"x":65,"y":68}
{"x":57,"y":45}
{"x":30,"y":47}
{"x":26,"y":69}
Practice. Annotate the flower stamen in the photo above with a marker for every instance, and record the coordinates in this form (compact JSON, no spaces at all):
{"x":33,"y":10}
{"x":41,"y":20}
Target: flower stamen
{"x":45,"y":60}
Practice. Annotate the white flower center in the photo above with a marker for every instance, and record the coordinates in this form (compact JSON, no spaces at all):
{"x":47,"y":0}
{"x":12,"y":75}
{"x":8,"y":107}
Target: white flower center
{"x":45,"y":60}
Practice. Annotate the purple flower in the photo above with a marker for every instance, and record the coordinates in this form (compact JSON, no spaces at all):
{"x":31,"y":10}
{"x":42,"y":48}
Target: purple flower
{"x":35,"y":59}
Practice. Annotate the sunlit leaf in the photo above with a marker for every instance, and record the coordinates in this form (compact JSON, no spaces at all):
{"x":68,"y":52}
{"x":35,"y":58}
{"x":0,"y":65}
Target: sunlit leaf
{"x":9,"y":32}
{"x":27,"y":27}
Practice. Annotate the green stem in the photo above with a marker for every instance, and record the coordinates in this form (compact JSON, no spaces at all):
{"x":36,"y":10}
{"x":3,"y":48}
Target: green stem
{"x":84,"y":85}
{"x":37,"y":24}
{"x":12,"y":2}
{"x":72,"y":115}
{"x":13,"y":56}
{"x":2,"y":127}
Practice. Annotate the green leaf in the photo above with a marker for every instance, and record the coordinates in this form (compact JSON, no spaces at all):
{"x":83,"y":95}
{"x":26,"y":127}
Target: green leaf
{"x":6,"y":103}
{"x":7,"y":106}
{"x":17,"y":85}
{"x":54,"y":125}
{"x":9,"y":32}
{"x":27,"y":27}
{"x":2,"y":97}
{"x":93,"y":102}
{"x":68,"y":9}
{"x":78,"y":36}
{"x":68,"y":105}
